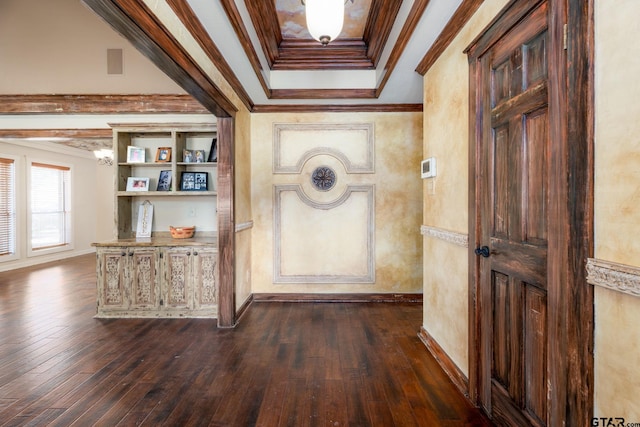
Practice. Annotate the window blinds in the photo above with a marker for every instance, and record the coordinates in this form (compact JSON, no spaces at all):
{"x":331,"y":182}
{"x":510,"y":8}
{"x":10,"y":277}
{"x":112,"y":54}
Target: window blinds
{"x":7,"y":207}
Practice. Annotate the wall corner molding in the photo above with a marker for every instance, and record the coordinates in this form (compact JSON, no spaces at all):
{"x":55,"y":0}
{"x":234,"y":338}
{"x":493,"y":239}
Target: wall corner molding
{"x":611,"y":275}
{"x":452,"y":237}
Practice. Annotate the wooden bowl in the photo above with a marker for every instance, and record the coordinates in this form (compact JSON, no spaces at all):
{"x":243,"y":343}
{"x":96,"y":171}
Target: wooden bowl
{"x":182,"y":232}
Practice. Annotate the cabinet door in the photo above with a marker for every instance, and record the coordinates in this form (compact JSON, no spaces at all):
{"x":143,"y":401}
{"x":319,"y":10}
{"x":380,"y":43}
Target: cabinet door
{"x":144,"y":283}
{"x":112,"y":274}
{"x":205,"y":277}
{"x":176,"y":285}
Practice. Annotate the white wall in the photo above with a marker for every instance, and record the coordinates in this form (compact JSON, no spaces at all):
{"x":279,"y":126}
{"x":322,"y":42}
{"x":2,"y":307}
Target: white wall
{"x":84,"y":198}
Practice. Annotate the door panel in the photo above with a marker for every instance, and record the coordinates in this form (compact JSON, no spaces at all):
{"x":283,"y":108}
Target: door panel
{"x":535,"y":351}
{"x":536,"y":173}
{"x":517,"y":164}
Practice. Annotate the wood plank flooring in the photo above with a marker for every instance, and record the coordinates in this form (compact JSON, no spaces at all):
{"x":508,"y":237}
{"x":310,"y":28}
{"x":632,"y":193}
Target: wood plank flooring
{"x":285,"y":364}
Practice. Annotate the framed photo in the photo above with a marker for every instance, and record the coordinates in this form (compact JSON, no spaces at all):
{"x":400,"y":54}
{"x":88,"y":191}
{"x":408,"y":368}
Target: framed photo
{"x":135,"y":154}
{"x":164,"y":181}
{"x":163,"y":154}
{"x":200,"y":156}
{"x":135,"y":183}
{"x":213,"y":153}
{"x":194,"y":181}
{"x":188,"y":156}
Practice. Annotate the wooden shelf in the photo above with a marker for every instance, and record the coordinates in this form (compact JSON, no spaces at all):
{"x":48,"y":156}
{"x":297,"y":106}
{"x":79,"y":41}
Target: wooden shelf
{"x":166,"y":193}
{"x":146,"y":164}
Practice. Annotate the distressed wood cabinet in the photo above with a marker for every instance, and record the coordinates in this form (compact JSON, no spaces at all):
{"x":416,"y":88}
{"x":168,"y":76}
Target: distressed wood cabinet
{"x":157,"y":281}
{"x":189,"y":281}
{"x":128,"y":279}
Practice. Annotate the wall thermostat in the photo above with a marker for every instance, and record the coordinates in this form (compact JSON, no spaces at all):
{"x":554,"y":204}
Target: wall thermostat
{"x":428,"y":167}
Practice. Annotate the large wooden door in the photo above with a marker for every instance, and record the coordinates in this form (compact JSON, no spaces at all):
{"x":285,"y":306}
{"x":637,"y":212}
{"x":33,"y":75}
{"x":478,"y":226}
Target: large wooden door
{"x":530,"y":219}
{"x":514,"y":221}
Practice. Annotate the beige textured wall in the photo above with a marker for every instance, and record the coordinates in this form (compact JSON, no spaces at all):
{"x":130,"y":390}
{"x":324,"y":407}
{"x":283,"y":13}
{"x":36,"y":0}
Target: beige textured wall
{"x":617,"y":201}
{"x":398,"y":142}
{"x":445,"y":204}
{"x":60,"y":46}
{"x":243,"y":213}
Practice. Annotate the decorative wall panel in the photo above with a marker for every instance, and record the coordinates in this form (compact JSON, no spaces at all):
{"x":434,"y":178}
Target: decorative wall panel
{"x":352,"y":144}
{"x":324,"y":203}
{"x":324,"y":242}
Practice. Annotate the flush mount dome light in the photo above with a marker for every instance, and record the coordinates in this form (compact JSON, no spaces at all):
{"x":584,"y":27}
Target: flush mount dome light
{"x":324,"y":19}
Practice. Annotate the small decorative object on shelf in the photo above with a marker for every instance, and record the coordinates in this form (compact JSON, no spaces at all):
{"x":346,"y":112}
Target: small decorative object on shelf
{"x":194,"y":181}
{"x":145,"y":220}
{"x":213,"y":153}
{"x":164,"y":181}
{"x":182,"y":232}
{"x":200,"y":156}
{"x":163,"y":155}
{"x":135,"y":154}
{"x":187,"y":156}
{"x":135,"y":183}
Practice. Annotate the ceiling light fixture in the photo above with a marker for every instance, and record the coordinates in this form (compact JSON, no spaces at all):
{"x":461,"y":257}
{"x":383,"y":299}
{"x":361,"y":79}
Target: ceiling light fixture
{"x":104,"y":156}
{"x":324,"y":19}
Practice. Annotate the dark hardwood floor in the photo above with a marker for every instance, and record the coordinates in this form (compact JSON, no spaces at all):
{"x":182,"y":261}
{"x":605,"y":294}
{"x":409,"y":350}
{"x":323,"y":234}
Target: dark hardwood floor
{"x":285,"y":364}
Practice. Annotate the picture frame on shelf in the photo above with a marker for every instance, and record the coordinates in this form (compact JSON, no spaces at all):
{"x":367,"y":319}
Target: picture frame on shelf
{"x":163,"y":155}
{"x":200,"y":156}
{"x":213,"y":153}
{"x":135,"y":154}
{"x":188,"y":156}
{"x":164,"y":181}
{"x":136,"y":183}
{"x":194,"y":181}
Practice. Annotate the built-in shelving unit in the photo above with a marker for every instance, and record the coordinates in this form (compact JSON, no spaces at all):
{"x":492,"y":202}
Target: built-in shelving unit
{"x":198,"y":206}
{"x":159,"y":276}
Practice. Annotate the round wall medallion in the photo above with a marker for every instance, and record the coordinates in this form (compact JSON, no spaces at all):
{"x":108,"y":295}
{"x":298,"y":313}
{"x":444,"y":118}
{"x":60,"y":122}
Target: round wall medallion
{"x":324,"y":178}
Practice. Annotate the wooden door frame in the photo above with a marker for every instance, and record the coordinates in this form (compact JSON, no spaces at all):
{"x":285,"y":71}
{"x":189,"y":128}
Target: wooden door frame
{"x":570,"y":366}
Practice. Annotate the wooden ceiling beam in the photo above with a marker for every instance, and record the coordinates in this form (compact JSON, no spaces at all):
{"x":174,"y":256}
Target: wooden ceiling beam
{"x":417,"y":10}
{"x":184,"y":12}
{"x":458,"y":20}
{"x":382,"y":15}
{"x":322,"y":93}
{"x":338,"y":108}
{"x":265,"y":21}
{"x":84,"y":139}
{"x":100,"y":104}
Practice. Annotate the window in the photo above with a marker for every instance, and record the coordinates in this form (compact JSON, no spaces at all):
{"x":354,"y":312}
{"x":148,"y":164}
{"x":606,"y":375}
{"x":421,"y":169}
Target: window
{"x":50,"y":206}
{"x":7,"y":207}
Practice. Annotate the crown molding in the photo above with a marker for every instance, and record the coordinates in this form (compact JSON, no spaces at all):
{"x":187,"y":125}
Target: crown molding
{"x":338,"y":108}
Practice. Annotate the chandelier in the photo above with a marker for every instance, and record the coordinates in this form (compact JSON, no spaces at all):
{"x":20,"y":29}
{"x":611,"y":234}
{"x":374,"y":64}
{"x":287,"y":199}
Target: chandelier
{"x":324,"y":19}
